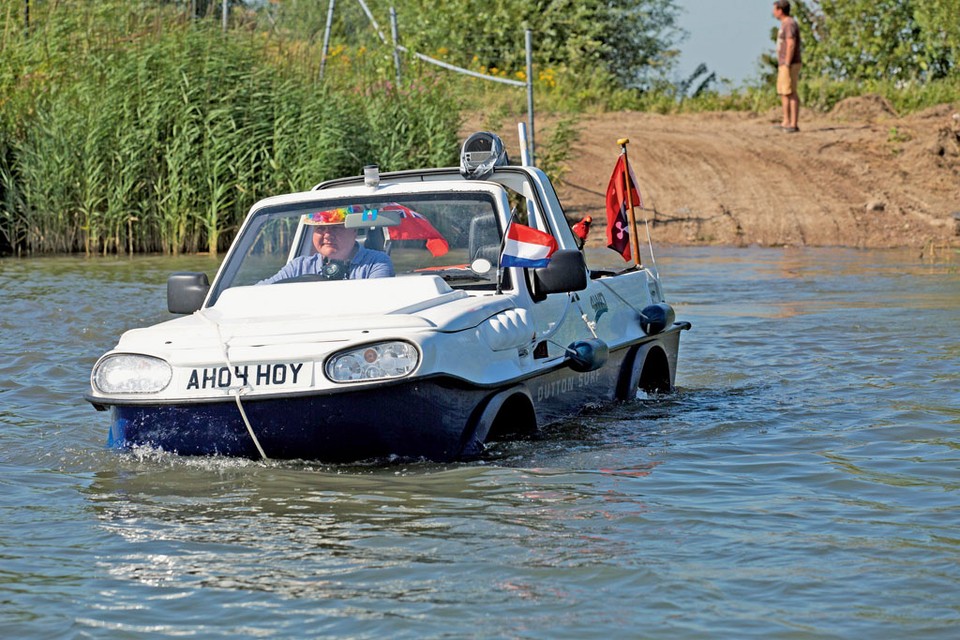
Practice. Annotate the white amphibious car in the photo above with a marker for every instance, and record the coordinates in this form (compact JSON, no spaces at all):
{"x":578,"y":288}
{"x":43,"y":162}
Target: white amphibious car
{"x":450,"y":353}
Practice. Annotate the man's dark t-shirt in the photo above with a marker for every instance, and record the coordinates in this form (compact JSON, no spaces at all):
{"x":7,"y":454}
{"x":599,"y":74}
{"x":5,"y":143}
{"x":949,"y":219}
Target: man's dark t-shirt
{"x":790,"y":29}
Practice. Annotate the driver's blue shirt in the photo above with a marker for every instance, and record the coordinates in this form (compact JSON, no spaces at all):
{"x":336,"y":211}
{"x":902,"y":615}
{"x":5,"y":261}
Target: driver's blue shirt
{"x":364,"y":263}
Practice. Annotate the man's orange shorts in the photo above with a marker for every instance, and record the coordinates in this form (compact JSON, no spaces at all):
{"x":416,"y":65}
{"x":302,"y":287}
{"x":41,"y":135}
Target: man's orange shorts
{"x":787,"y":79}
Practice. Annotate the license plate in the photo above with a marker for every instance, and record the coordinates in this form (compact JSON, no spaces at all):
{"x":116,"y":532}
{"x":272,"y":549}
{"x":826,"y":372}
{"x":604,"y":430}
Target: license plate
{"x":272,"y":375}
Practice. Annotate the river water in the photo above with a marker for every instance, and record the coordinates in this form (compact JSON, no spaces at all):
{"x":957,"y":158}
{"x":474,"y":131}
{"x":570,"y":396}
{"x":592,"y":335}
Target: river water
{"x":804,"y":482}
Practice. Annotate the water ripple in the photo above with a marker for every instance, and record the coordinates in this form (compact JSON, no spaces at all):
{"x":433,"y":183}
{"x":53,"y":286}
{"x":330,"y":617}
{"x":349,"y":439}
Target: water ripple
{"x":802,"y":483}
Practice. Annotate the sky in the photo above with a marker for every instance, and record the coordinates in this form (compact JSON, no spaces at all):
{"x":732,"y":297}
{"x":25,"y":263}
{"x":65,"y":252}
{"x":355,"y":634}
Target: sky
{"x":728,"y":35}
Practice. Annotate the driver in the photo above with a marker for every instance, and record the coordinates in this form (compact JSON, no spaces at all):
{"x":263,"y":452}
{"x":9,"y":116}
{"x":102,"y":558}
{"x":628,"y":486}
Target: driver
{"x":339,"y":256}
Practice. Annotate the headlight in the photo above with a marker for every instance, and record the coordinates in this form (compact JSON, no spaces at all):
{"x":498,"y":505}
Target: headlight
{"x":128,"y":373}
{"x":373,"y":362}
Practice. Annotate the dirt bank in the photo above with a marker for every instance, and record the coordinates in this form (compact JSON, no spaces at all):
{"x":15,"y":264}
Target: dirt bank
{"x":860,"y":176}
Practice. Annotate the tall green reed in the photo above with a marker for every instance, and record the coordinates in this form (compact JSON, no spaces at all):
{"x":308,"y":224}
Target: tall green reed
{"x":158,"y":139}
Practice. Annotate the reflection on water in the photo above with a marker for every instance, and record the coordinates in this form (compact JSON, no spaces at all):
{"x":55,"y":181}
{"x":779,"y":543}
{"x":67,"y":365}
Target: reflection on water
{"x":803,"y":482}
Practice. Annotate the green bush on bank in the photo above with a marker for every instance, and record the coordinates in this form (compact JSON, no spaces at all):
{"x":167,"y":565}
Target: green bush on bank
{"x":162,"y":141}
{"x":823,"y":94}
{"x":568,"y":93}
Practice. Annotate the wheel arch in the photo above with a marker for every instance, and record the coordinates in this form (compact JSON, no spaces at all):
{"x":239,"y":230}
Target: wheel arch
{"x":648,"y":369}
{"x":506,"y":412}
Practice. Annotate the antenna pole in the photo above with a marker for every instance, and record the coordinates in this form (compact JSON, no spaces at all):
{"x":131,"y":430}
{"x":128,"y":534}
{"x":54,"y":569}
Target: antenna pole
{"x":326,"y":39}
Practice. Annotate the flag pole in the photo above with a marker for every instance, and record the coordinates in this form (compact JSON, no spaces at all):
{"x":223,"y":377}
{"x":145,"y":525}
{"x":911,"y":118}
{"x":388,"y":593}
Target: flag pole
{"x":503,"y":243}
{"x":632,"y":217}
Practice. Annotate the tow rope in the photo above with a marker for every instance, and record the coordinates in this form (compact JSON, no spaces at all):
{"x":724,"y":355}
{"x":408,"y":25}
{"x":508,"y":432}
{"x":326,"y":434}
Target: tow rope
{"x":236,"y":392}
{"x":591,"y":325}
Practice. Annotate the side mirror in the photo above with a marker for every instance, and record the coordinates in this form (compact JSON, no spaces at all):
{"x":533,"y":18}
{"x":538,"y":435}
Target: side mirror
{"x":186,"y":291}
{"x":566,"y":272}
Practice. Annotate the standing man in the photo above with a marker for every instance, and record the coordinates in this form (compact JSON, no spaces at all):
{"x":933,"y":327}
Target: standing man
{"x":788,"y":65}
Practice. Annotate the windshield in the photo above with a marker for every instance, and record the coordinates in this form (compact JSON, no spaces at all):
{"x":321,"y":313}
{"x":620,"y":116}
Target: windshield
{"x":454,"y":235}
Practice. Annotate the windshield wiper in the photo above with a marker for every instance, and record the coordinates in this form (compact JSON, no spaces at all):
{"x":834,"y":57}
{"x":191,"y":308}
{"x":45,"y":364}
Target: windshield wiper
{"x":450,"y":275}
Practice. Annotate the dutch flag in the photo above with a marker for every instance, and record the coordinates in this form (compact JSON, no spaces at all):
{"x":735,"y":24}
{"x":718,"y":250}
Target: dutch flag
{"x":527,"y":247}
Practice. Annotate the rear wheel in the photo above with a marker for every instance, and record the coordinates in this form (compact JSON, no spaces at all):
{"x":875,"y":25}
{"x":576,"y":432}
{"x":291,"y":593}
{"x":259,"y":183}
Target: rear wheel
{"x":655,"y":374}
{"x":649,"y":371}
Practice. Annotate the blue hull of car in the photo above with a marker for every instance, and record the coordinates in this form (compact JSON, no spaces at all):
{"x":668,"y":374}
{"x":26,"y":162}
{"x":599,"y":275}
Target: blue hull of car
{"x":439,"y":419}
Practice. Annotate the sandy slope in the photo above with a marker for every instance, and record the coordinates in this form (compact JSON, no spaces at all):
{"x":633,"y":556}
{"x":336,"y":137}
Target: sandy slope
{"x":859,"y":176}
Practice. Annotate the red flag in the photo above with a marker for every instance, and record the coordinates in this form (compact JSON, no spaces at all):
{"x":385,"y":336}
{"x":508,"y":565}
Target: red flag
{"x":618,"y":224}
{"x":413,"y":226}
{"x":581,"y":230}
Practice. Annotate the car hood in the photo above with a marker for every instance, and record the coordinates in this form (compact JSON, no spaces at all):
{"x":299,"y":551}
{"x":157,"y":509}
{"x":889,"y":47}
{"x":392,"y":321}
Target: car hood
{"x":290,"y":317}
